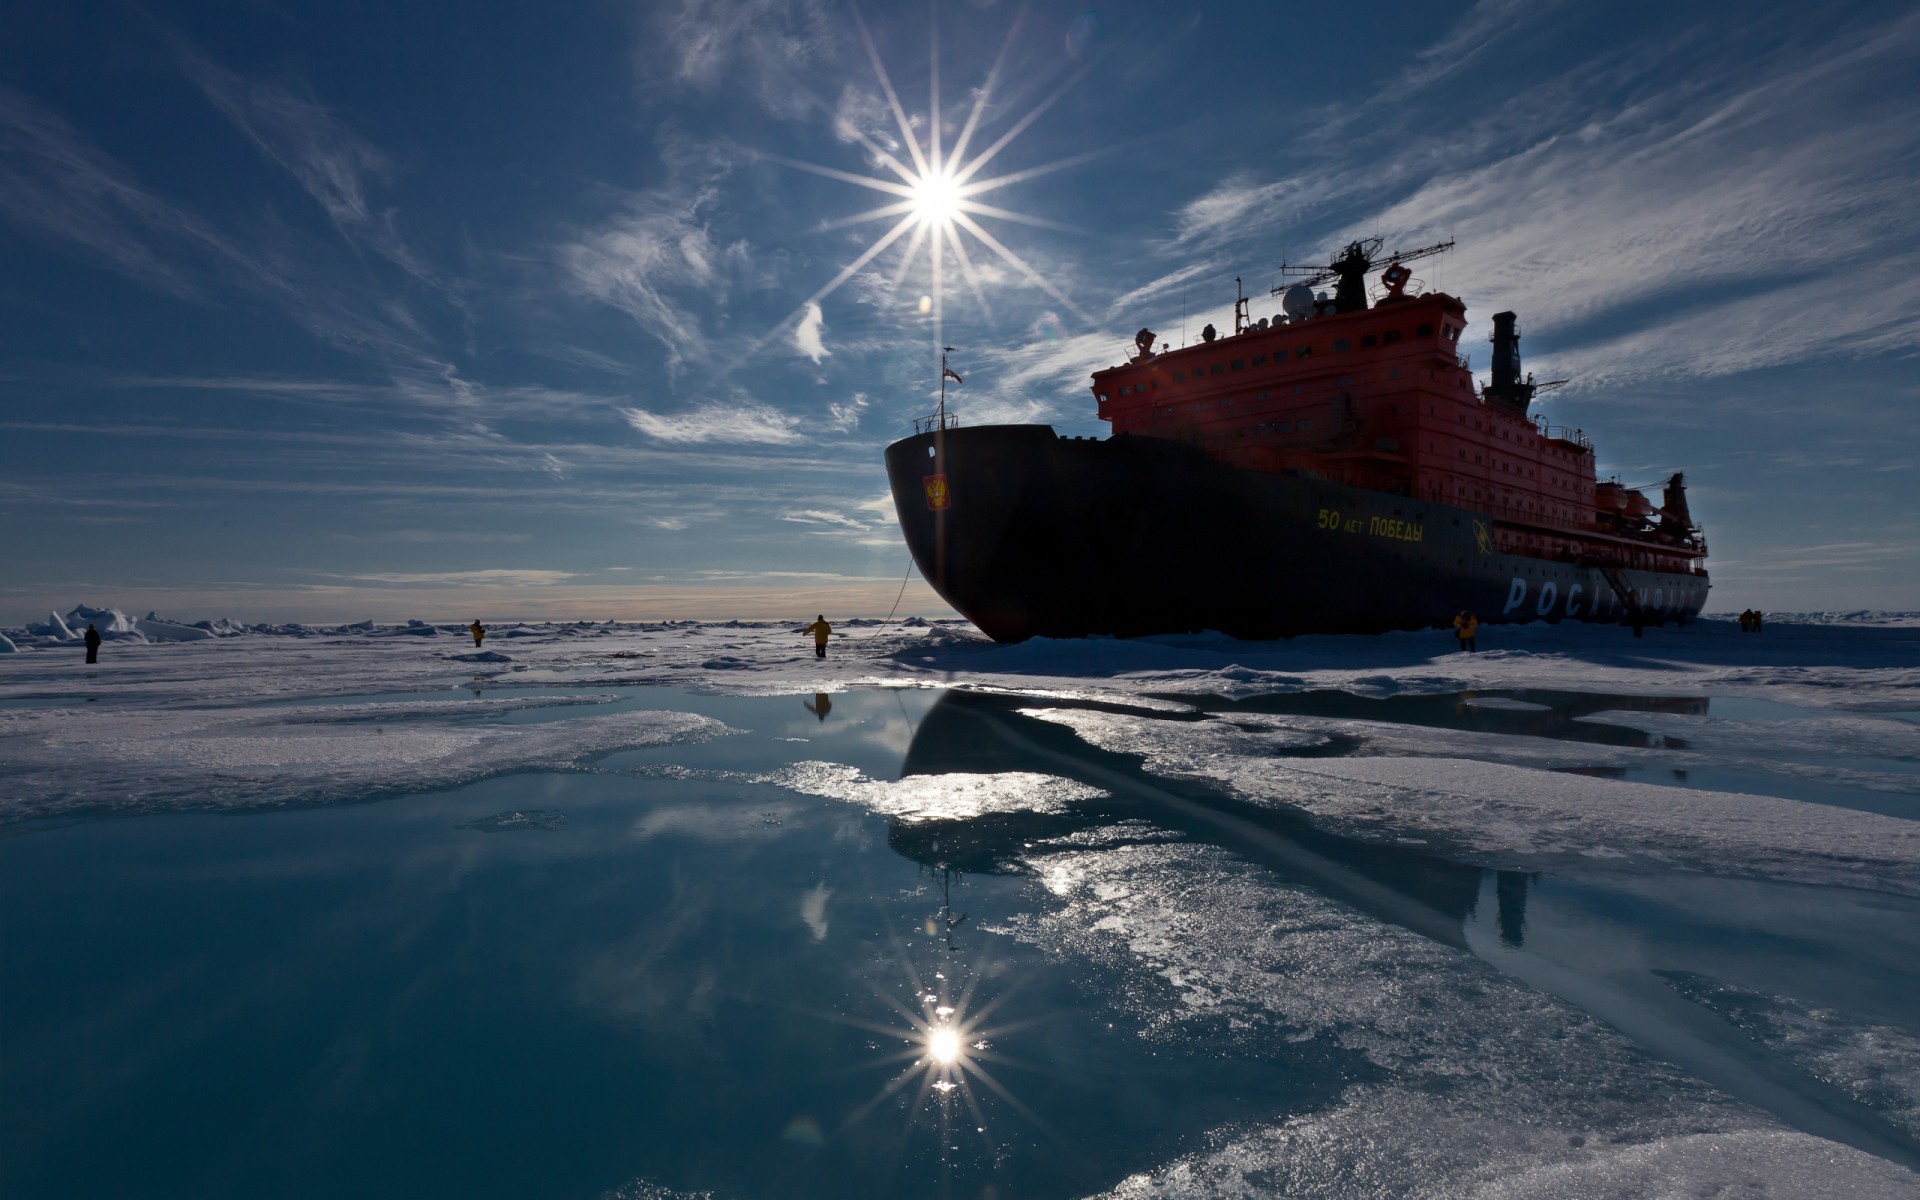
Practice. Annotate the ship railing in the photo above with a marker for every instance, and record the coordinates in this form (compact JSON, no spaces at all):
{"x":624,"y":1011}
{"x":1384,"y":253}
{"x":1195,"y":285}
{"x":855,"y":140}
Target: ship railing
{"x":936,"y":421}
{"x":1560,"y":433}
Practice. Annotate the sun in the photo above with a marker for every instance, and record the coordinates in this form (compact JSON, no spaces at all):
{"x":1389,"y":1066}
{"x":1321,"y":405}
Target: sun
{"x":935,"y":196}
{"x":936,"y":199}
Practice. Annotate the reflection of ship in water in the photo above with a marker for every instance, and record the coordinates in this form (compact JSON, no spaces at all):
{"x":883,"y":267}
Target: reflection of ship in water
{"x":1508,"y":712}
{"x":981,"y":733}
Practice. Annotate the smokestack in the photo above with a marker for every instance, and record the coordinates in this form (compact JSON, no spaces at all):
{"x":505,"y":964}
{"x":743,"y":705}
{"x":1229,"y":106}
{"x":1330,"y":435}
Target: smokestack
{"x":1673,"y":504}
{"x":1506,"y":354}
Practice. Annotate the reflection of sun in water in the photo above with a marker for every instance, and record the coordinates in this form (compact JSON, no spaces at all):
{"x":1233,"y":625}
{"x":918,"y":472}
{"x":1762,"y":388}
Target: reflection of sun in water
{"x":943,"y":1045}
{"x":937,"y":195}
{"x":946,"y":1058}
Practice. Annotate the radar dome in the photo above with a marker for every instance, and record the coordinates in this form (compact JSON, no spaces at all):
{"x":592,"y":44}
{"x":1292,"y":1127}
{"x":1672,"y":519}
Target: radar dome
{"x":1298,"y":301}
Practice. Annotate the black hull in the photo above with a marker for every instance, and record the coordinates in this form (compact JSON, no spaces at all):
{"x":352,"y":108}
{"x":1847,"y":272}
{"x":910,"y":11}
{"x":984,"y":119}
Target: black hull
{"x":1044,"y":536}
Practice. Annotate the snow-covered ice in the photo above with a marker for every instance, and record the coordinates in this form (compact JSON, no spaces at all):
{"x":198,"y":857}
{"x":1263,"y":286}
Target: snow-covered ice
{"x":1789,"y":759}
{"x":1490,"y":1088}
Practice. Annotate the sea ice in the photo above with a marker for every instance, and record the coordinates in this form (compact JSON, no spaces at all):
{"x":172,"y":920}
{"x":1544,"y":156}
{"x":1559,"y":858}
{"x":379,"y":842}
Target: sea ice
{"x":1488,"y":1087}
{"x":1520,"y":816}
{"x":62,"y":761}
{"x":1877,"y":1066}
{"x":947,"y":797}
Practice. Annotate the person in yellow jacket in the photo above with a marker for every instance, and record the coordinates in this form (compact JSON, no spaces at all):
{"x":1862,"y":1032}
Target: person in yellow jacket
{"x":478,"y":631}
{"x":821,"y":631}
{"x":1464,"y":627}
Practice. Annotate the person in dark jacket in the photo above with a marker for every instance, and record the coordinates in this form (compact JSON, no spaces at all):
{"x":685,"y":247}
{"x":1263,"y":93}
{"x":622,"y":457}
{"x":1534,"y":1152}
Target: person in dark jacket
{"x":93,"y":644}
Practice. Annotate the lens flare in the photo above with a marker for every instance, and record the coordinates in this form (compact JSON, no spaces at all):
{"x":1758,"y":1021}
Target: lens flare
{"x":943,"y":1045}
{"x":936,"y":199}
{"x":935,"y":195}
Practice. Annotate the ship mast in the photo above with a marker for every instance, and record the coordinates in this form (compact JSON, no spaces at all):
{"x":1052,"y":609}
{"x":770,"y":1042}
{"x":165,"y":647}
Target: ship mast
{"x":1348,"y":273}
{"x":946,"y":373}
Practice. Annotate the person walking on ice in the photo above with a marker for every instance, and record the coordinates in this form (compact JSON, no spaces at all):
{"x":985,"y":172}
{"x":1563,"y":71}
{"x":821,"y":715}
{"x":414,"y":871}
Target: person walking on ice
{"x":93,"y":644}
{"x":821,"y":631}
{"x":1465,"y":626}
{"x":478,"y":631}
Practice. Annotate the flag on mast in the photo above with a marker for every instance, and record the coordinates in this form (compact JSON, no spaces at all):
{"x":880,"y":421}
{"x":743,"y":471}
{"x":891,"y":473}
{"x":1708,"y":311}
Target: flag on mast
{"x":950,"y":373}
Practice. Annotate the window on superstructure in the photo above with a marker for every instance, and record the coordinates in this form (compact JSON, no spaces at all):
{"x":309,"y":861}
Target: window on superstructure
{"x":1259,"y":360}
{"x":1179,"y":376}
{"x":1154,"y":384}
{"x":1127,"y":390}
{"x":1239,"y":364}
{"x":1390,"y":336}
{"x":1306,"y":423}
{"x":1341,"y":344}
{"x":1303,"y":352}
{"x":1218,"y":369}
{"x":1369,"y":340}
{"x":1423,"y":330}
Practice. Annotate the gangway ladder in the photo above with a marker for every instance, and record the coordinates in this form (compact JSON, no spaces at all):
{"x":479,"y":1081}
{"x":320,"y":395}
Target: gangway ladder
{"x":1635,"y":614}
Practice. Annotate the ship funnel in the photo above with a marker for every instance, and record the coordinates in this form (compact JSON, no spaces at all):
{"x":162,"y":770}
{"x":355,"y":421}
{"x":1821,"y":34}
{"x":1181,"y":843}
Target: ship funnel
{"x":1673,"y":504}
{"x":1506,"y":351}
{"x":1507,"y":387}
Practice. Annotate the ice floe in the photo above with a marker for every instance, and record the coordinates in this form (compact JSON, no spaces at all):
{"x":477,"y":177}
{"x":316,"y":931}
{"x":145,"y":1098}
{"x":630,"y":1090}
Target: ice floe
{"x":1876,"y":1066}
{"x":955,"y":796}
{"x":1486,"y":1087}
{"x":1507,"y":815}
{"x":62,"y":761}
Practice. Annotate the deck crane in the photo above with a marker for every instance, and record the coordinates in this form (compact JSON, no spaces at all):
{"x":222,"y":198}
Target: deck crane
{"x":1350,"y":270}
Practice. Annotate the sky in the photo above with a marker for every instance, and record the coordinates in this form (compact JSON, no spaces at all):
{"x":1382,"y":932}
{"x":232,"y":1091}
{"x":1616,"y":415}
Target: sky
{"x":326,"y":311}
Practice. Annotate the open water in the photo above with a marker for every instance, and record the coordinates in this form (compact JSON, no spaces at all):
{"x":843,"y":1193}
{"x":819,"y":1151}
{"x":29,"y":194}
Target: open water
{"x":678,"y":973}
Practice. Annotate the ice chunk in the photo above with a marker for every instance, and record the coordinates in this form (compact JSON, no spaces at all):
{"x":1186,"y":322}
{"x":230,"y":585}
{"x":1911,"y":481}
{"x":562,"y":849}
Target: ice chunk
{"x":6,"y":645}
{"x":170,"y":631}
{"x":54,"y":627}
{"x":107,"y":620}
{"x":483,"y":656}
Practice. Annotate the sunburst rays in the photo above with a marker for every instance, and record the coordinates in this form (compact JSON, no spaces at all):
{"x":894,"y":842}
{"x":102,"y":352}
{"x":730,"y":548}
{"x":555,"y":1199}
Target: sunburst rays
{"x":935,"y":196}
{"x":946,"y":1040}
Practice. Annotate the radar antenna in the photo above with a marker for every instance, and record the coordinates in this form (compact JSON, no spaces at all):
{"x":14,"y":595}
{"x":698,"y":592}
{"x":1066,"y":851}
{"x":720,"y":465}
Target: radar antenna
{"x":1350,"y":270}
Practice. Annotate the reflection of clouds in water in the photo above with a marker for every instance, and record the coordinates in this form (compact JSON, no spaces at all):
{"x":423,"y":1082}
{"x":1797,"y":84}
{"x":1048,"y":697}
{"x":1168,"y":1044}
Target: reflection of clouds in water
{"x":893,"y":735}
{"x":715,"y":822}
{"x":665,"y":975}
{"x":813,"y":909}
{"x":954,"y":797}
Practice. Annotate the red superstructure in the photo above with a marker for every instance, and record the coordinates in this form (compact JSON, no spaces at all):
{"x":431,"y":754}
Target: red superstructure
{"x":1379,"y":398}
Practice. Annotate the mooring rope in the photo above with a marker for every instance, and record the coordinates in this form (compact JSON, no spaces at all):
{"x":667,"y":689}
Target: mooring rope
{"x":897,"y":599}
